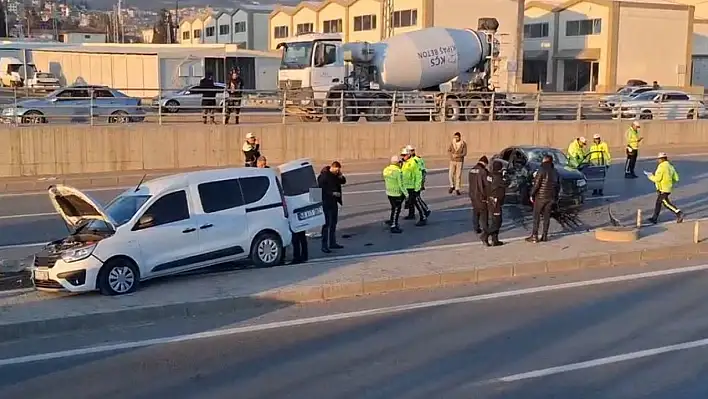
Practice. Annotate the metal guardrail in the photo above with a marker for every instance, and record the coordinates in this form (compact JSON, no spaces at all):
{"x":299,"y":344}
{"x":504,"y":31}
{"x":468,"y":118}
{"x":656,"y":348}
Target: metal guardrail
{"x":22,"y":106}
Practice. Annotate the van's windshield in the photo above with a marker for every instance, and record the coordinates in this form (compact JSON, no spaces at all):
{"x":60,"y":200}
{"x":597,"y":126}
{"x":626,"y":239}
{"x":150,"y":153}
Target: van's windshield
{"x":121,"y":209}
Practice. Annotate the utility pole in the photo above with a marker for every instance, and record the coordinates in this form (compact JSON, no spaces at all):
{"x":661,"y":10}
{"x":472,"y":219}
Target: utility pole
{"x":387,"y":15}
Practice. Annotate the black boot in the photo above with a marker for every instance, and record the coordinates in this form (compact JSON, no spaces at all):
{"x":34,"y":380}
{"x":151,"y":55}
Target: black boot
{"x":601,"y":192}
{"x":422,"y":222}
{"x":495,"y":241}
{"x":544,"y":238}
{"x":485,"y":239}
{"x":533,"y":239}
{"x":396,"y":230}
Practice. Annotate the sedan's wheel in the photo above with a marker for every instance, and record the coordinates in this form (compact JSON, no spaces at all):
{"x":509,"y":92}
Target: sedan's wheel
{"x":172,"y":107}
{"x":32,"y":117}
{"x":118,"y":277}
{"x":267,"y":250}
{"x":119,"y":117}
{"x":646,"y":115}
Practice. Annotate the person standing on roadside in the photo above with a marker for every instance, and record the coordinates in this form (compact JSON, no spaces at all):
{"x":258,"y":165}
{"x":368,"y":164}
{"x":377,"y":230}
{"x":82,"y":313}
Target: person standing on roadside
{"x":412,"y":182}
{"x":330,"y":181}
{"x":233,"y":102}
{"x":633,"y":140}
{"x":458,"y":151}
{"x":251,"y":150}
{"x":497,"y":191}
{"x":396,"y":192}
{"x":664,"y":179}
{"x":544,"y":196}
{"x":600,"y":156}
{"x":477,"y":179}
{"x":300,"y":252}
{"x":424,"y":172}
{"x":208,"y":90}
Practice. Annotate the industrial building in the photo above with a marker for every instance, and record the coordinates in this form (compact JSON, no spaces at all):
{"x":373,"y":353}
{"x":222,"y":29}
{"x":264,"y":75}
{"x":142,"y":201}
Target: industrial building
{"x":368,"y":20}
{"x":596,"y":45}
{"x":246,"y":27}
{"x":141,"y":69}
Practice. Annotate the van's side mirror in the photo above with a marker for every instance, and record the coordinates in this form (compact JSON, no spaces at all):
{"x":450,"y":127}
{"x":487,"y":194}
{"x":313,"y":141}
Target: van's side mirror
{"x":145,"y":221}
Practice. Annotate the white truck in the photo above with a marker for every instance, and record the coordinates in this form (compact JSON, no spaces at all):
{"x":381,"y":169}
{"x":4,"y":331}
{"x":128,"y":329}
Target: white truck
{"x":14,"y":72}
{"x":317,"y":70}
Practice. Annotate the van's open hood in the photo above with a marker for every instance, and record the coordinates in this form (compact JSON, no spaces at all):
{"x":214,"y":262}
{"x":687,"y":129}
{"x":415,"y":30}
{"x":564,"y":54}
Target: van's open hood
{"x":75,"y":207}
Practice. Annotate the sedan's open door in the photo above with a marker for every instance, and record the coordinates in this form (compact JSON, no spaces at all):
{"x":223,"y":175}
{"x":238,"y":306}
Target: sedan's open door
{"x":594,"y":174}
{"x":302,"y":196}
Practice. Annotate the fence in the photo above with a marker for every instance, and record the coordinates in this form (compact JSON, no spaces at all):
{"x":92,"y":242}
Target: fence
{"x":98,"y":105}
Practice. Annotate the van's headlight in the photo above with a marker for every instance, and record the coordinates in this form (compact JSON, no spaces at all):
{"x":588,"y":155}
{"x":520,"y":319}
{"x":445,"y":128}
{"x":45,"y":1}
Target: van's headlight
{"x":581,"y":182}
{"x":76,"y":254}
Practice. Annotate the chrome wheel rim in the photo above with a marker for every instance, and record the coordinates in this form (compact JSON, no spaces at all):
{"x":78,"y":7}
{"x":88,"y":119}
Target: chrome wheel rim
{"x":268,"y":250}
{"x":121,"y":279}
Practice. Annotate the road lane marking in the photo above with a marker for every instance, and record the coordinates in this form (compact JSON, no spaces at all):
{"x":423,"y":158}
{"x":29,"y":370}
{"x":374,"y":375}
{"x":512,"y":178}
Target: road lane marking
{"x":351,"y":315}
{"x":599,"y":362}
{"x":28,"y":215}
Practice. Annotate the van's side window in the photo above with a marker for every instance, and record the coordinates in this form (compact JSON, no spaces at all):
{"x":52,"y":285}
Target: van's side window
{"x":220,"y":195}
{"x":169,"y":209}
{"x":254,"y":188}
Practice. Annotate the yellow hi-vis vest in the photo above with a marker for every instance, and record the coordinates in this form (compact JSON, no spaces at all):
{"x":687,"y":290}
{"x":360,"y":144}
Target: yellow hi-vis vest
{"x":600,"y":154}
{"x":393,"y":179}
{"x":412,"y":175}
{"x":632,"y":139}
{"x":664,"y":177}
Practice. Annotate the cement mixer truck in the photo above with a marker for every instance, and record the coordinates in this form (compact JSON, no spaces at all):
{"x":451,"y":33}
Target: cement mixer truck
{"x":321,"y":76}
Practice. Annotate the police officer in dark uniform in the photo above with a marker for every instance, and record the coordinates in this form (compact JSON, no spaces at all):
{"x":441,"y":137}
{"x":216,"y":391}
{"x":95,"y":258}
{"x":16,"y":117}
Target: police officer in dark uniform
{"x":477,"y":179}
{"x":498,"y":183}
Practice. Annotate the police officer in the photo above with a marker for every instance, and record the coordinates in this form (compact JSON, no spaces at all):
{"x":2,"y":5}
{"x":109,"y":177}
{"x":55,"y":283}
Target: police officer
{"x":633,"y":140}
{"x":424,"y":172}
{"x":599,"y":156}
{"x":664,"y":179}
{"x":396,"y":192}
{"x":233,"y":102}
{"x":412,"y":181}
{"x":477,"y":179}
{"x":576,"y":151}
{"x":544,"y":195}
{"x":496,"y":192}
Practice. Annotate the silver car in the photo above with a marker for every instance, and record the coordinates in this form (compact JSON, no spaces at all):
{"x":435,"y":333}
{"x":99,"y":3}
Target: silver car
{"x":624,"y":94}
{"x":185,"y":99}
{"x":76,"y":104}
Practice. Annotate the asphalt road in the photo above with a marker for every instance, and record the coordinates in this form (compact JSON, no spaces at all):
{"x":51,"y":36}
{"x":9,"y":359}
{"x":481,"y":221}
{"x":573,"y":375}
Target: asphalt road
{"x":606,"y":337}
{"x":30,"y":219}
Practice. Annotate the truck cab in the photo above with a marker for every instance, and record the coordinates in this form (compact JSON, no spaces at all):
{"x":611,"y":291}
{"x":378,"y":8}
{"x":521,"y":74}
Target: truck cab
{"x":14,"y":73}
{"x":311,"y":64}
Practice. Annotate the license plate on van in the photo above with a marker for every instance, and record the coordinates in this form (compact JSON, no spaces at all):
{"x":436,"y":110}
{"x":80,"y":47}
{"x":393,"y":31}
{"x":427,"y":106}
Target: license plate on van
{"x":310,"y":213}
{"x":41,"y":275}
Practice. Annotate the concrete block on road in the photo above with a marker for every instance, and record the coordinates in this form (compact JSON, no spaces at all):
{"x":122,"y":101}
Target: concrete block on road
{"x":530,"y":269}
{"x":681,"y":252}
{"x":659,"y":253}
{"x":594,"y":261}
{"x":424,"y":281}
{"x":495,"y":273}
{"x":383,"y":285}
{"x":458,"y":277}
{"x":623,"y":258}
{"x":563,"y":265}
{"x":344,"y":290}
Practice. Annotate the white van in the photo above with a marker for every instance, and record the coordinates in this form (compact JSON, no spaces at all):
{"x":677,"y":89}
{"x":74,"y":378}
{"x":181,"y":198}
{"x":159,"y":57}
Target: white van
{"x":171,"y":225}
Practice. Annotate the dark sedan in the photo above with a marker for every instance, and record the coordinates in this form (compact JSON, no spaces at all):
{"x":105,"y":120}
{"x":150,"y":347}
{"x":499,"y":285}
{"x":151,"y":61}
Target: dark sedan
{"x":523,"y":161}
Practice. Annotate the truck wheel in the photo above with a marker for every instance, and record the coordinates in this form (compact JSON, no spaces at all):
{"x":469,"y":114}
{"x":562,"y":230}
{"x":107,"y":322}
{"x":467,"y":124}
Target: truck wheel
{"x":475,"y":111}
{"x":453,"y":110}
{"x":333,"y":109}
{"x":379,"y":111}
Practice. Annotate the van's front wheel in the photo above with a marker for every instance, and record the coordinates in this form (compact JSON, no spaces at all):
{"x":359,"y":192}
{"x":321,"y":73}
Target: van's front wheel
{"x":267,"y":250}
{"x":118,"y":276}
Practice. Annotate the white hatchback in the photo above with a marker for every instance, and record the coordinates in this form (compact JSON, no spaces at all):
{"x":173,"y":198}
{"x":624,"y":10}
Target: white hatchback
{"x":176,"y":224}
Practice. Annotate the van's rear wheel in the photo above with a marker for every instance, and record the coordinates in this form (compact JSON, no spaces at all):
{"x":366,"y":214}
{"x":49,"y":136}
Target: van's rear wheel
{"x":267,"y":250}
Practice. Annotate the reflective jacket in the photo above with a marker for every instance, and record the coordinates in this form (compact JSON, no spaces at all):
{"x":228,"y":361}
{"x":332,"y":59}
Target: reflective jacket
{"x":421,"y":165}
{"x":664,"y":177}
{"x":393,"y":179}
{"x":412,"y":175}
{"x":600,"y":154}
{"x":576,"y":154}
{"x":633,"y":139}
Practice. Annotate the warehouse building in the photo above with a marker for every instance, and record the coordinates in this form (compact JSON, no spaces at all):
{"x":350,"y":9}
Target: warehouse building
{"x":246,"y":27}
{"x":597,"y":45}
{"x":363,"y":20}
{"x":142,"y":70}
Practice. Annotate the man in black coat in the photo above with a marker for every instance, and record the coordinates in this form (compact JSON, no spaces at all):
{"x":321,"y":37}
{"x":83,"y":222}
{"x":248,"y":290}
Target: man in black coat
{"x":497,"y":191}
{"x":233,"y":102}
{"x":477,"y":179}
{"x":330,"y":181}
{"x":208,"y":90}
{"x":544,"y":195}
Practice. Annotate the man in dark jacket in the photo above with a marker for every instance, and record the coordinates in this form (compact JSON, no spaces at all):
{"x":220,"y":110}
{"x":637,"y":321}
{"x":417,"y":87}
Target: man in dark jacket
{"x":330,"y":181}
{"x":477,"y":179}
{"x":544,"y":195}
{"x":233,"y":102}
{"x":208,"y":90}
{"x":497,"y":191}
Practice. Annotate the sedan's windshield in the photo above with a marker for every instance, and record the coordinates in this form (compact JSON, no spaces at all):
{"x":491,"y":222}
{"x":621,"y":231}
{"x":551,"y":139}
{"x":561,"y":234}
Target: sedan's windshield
{"x":624,"y":91}
{"x":536,"y":155}
{"x":648,"y":96}
{"x":296,"y":55}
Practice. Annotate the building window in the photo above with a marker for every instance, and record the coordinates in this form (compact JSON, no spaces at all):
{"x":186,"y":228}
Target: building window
{"x":280,"y":32}
{"x":364,"y":22}
{"x":185,"y":35}
{"x":583,"y":27}
{"x":224,"y":29}
{"x":535,"y":31}
{"x":210,"y":31}
{"x":87,"y":36}
{"x":305,"y":28}
{"x":405,"y":18}
{"x":332,"y":26}
{"x":197,"y":33}
{"x":240,"y":27}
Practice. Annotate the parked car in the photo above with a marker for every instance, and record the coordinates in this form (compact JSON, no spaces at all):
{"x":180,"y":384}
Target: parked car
{"x":43,"y":81}
{"x":522,"y":162}
{"x":185,"y":100}
{"x":623,"y":95}
{"x":176,"y":224}
{"x":661,"y":104}
{"x":77,"y":104}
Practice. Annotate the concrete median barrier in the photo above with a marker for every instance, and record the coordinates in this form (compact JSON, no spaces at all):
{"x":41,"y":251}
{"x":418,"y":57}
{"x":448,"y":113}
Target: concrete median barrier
{"x":65,"y":150}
